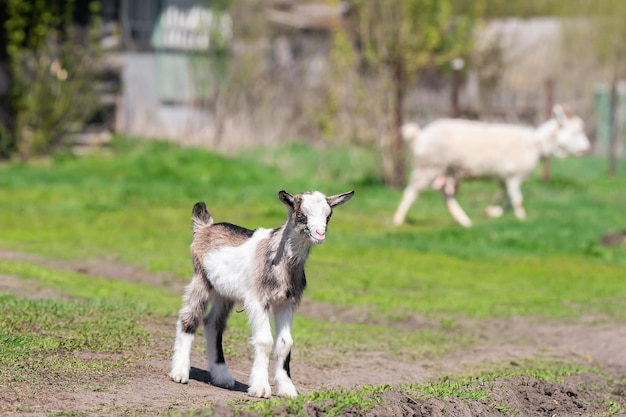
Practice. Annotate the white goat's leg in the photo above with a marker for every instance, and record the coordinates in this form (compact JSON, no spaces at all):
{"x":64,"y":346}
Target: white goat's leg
{"x":282,"y":350}
{"x":408,"y":197}
{"x":262,"y":341}
{"x":194,"y":304}
{"x":449,"y":188}
{"x":214,"y":326}
{"x":419,"y":181}
{"x":457,"y":212}
{"x":495,"y":210}
{"x":515,"y":197}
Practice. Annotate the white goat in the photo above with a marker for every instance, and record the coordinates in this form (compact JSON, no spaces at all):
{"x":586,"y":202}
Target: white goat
{"x":264,"y":270}
{"x":449,"y":150}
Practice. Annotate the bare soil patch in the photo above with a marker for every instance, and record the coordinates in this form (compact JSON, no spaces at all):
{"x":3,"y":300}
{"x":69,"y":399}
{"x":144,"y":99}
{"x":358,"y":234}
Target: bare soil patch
{"x":142,"y":387}
{"x":577,"y":395}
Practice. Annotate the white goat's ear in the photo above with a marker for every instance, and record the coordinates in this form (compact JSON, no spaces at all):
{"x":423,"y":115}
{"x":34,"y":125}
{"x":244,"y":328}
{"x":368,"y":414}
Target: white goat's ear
{"x":286,"y":198}
{"x":336,"y":200}
{"x":560,"y":114}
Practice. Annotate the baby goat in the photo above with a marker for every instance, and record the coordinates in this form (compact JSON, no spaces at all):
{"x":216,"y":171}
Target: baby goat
{"x":264,"y":270}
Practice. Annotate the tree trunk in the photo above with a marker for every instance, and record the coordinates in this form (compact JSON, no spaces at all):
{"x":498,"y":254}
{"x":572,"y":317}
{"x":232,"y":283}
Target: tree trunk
{"x":394,"y":168}
{"x":7,"y":113}
{"x":455,"y":90}
{"x":545,"y":160}
{"x":614,"y":131}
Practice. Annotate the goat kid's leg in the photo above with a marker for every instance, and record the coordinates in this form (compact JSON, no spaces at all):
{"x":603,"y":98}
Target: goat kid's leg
{"x":282,"y":350}
{"x":214,"y":326}
{"x":262,"y":342}
{"x":194,"y":304}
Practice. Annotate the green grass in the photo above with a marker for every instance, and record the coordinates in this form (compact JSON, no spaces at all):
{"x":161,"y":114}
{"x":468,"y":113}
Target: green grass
{"x":334,"y":402}
{"x":68,"y":325}
{"x":134,"y":208}
{"x":38,"y":335}
{"x":140,"y":297}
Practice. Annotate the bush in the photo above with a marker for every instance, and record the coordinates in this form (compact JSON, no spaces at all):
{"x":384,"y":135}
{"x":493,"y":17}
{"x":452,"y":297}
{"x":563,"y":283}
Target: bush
{"x":54,"y":90}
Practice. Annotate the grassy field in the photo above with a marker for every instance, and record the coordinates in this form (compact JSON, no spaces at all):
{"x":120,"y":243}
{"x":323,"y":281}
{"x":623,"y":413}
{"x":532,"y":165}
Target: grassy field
{"x":134,"y":208}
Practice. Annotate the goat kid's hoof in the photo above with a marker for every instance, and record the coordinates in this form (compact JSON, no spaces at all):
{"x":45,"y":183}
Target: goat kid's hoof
{"x":179,"y":375}
{"x":287,"y":392}
{"x":220,"y":376}
{"x":260,"y":390}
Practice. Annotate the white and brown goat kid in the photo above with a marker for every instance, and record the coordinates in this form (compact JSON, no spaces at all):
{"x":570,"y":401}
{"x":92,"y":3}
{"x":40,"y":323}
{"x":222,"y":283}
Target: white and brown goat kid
{"x":264,"y":270}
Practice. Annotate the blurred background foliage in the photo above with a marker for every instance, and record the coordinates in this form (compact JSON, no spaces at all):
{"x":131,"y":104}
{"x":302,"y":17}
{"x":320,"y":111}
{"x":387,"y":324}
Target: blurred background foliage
{"x":373,"y":58}
{"x":52,"y":65}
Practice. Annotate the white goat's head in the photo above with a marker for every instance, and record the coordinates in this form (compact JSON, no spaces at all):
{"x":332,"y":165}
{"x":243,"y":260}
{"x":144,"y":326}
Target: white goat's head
{"x":571,"y":138}
{"x":410,"y":131}
{"x":310,"y":212}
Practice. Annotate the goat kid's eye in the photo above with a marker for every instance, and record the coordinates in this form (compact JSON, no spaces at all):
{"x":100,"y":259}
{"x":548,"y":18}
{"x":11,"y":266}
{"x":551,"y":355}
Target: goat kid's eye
{"x":300,"y":217}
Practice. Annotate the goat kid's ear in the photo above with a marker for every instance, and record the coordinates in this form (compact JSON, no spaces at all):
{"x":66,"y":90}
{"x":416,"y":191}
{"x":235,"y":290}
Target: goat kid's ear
{"x":338,"y":199}
{"x":286,"y":198}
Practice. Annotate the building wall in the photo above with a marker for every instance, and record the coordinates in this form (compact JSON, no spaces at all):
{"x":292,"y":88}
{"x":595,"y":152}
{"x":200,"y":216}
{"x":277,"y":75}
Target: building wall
{"x":174,"y":92}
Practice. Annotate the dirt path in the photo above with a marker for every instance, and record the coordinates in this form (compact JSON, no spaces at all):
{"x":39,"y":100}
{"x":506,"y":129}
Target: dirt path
{"x":143,"y":388}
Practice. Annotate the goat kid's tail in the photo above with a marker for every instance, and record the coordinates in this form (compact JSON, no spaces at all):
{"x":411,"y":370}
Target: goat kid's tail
{"x":200,"y":217}
{"x":410,"y":131}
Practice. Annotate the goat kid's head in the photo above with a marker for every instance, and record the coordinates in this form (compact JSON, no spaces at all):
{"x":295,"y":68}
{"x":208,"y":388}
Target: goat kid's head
{"x":571,"y":138}
{"x":310,"y":212}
